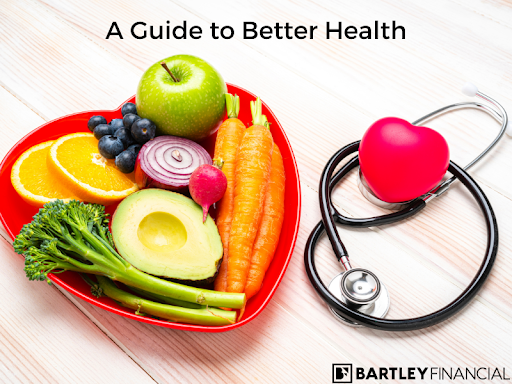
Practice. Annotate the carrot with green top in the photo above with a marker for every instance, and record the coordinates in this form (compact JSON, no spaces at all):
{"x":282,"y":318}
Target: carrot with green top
{"x":228,"y":140}
{"x":270,"y":228}
{"x":252,"y":174}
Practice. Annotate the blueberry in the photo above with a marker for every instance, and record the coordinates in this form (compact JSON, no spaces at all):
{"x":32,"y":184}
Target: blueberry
{"x":94,"y":121}
{"x":143,"y":130}
{"x":110,"y":146}
{"x":134,"y":148}
{"x":102,"y":130}
{"x":125,"y":136}
{"x":128,"y":108}
{"x":125,"y":161}
{"x":116,"y":124}
{"x":129,"y":119}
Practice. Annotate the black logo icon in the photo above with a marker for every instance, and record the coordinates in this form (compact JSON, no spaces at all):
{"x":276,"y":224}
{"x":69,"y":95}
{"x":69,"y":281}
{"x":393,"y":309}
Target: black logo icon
{"x":342,"y":373}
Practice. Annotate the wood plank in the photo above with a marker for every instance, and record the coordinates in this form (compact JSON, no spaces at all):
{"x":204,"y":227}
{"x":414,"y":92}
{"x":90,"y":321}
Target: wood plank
{"x":17,"y":120}
{"x":44,"y":338}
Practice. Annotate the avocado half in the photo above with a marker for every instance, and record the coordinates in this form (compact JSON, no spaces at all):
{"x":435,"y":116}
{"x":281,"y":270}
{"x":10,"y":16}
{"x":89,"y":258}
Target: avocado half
{"x":162,"y":233}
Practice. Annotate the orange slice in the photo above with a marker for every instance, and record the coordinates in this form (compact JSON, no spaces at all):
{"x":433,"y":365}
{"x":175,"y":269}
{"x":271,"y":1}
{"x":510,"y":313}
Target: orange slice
{"x":76,"y":160}
{"x":33,"y":181}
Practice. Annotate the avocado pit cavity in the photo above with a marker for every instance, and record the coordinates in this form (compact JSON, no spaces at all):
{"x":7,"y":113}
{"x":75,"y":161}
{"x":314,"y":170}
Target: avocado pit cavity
{"x":162,"y":232}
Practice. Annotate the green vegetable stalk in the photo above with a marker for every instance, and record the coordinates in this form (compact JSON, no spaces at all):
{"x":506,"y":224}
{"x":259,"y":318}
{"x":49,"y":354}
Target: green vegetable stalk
{"x":256,"y":111}
{"x":165,"y":299}
{"x":74,"y":236}
{"x":232,"y":105}
{"x":202,"y":315}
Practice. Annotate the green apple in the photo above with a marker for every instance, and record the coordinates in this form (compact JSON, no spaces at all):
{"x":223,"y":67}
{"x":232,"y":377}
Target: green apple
{"x":183,"y":95}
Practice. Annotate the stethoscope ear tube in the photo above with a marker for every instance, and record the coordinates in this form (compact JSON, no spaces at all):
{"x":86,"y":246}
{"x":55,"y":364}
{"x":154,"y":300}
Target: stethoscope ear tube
{"x":329,"y":215}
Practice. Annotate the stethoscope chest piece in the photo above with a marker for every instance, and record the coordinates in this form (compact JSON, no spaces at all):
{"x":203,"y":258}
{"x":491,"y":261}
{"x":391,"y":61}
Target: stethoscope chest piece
{"x":360,"y":289}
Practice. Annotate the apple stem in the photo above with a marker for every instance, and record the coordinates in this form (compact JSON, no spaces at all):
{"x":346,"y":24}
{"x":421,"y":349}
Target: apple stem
{"x":163,"y":64}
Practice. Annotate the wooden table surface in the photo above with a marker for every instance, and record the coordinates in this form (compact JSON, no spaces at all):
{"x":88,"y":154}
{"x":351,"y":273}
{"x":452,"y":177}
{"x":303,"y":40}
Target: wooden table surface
{"x":55,"y":60}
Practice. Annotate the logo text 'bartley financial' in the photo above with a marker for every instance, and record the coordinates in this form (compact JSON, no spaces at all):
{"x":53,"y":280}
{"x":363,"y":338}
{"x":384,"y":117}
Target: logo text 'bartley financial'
{"x":431,"y":373}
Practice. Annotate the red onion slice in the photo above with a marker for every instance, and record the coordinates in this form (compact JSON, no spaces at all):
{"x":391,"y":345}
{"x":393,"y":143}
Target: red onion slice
{"x":168,"y":161}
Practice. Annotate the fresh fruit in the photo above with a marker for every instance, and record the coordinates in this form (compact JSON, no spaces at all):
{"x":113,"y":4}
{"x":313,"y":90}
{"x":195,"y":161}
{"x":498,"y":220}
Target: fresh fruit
{"x":128,"y":108}
{"x":186,"y":98}
{"x":129,"y":119}
{"x":125,"y":161}
{"x":168,"y":161}
{"x":116,"y":124}
{"x":135,"y":148}
{"x":75,"y":160}
{"x":102,"y":130}
{"x":33,"y":181}
{"x":161,"y":233}
{"x":110,"y":146}
{"x":94,"y":121}
{"x":143,"y":130}
{"x":207,"y":185}
{"x":125,"y":136}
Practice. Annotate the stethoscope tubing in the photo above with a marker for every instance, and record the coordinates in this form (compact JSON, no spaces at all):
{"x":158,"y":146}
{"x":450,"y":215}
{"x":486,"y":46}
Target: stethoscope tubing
{"x":330,"y":215}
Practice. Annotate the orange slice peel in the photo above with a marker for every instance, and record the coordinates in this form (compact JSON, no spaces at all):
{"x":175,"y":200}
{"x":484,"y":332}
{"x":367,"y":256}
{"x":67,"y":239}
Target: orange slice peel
{"x":32,"y":179}
{"x":76,"y":161}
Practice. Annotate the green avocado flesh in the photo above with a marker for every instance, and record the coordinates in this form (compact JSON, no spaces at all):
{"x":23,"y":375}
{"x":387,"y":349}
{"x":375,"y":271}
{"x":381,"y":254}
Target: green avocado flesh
{"x":162,"y":233}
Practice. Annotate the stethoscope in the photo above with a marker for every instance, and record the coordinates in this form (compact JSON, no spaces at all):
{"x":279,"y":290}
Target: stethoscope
{"x":357,"y":297}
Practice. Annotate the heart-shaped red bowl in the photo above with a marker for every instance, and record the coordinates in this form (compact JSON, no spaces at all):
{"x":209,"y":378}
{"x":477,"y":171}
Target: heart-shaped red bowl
{"x":14,"y":212}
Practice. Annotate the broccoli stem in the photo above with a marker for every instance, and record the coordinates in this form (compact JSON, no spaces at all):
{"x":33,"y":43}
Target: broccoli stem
{"x":164,"y":299}
{"x":204,"y":316}
{"x":138,"y":279}
{"x":101,"y":248}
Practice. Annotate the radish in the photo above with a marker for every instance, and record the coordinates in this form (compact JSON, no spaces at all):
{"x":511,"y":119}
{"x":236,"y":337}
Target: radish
{"x":207,"y":185}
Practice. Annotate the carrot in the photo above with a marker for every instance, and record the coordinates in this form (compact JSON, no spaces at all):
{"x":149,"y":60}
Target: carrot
{"x":270,"y":228}
{"x":252,"y":173}
{"x":229,"y":137}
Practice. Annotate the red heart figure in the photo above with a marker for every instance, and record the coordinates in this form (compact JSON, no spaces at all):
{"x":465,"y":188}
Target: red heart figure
{"x":400,"y":161}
